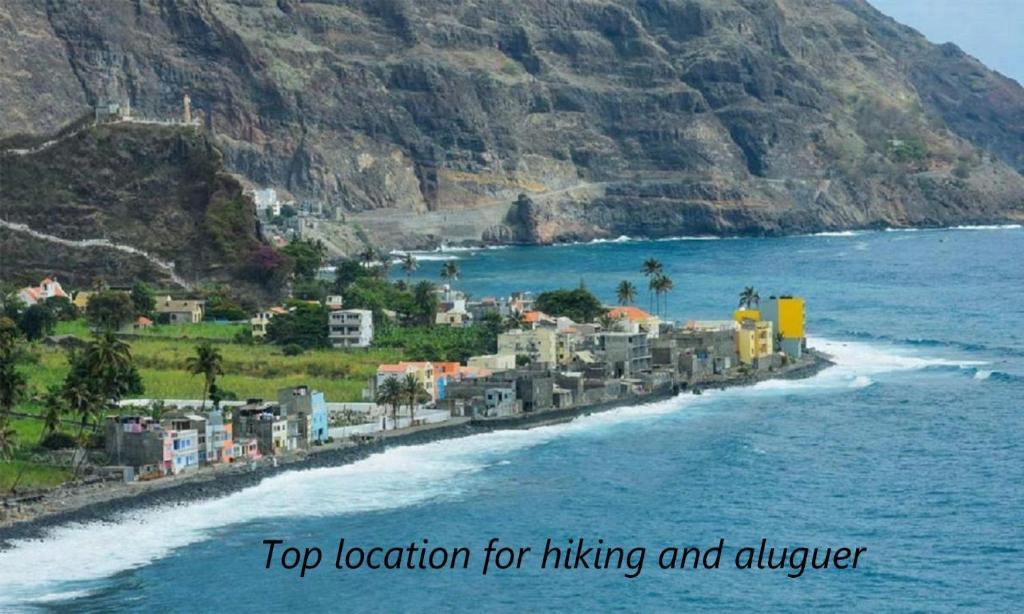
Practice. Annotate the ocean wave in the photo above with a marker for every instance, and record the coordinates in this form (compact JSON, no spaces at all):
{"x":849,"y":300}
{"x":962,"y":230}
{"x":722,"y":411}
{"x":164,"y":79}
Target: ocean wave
{"x":988,"y":227}
{"x":966,"y":346}
{"x":75,"y":558}
{"x":835,"y":233}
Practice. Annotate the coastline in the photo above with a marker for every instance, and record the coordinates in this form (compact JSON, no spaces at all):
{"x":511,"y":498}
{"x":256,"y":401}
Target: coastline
{"x":102,"y":502}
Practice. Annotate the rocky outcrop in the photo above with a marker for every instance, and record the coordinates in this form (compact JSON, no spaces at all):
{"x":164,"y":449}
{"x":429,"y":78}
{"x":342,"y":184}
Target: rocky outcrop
{"x":419,"y":122}
{"x":121,"y":202}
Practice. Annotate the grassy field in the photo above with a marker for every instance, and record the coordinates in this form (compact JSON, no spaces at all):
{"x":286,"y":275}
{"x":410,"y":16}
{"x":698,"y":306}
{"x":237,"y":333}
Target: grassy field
{"x":250,"y":371}
{"x":213,"y":331}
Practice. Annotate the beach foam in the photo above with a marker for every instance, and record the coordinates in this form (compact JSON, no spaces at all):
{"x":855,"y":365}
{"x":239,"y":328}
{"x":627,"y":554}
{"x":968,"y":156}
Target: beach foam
{"x":76,"y":558}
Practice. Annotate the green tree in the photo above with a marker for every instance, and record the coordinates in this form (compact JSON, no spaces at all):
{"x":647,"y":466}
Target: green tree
{"x":109,"y":310}
{"x":108,"y":362}
{"x":414,"y":392}
{"x":142,"y":299}
{"x":449,"y":273}
{"x":749,"y":298}
{"x":578,"y":304}
{"x":207,"y":362}
{"x":515,"y":321}
{"x":53,"y":410}
{"x":425,"y":301}
{"x":390,"y":394}
{"x":37,"y":322}
{"x":62,"y":308}
{"x":306,"y":326}
{"x":662,"y":285}
{"x":305,"y":257}
{"x":12,"y":382}
{"x":651,"y":269}
{"x":626,"y":292}
{"x":409,"y":264}
{"x":346,"y":273}
{"x":11,"y":303}
{"x":8,"y":445}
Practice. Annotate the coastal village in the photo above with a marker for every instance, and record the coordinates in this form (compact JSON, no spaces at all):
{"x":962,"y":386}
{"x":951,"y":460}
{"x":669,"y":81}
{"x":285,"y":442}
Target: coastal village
{"x":553,"y":355}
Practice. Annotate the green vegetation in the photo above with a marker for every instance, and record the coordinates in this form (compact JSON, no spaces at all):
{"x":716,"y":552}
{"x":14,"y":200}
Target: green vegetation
{"x":442,"y":343}
{"x":578,"y":304}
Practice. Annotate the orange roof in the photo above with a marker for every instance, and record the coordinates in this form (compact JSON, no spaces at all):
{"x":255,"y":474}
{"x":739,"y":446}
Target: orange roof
{"x":143,"y":321}
{"x":532,"y":317}
{"x":399,"y":368}
{"x":633,"y":314}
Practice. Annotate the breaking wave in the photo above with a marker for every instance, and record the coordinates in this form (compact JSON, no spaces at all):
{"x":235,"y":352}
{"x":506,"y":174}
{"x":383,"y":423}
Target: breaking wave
{"x":76,"y":558}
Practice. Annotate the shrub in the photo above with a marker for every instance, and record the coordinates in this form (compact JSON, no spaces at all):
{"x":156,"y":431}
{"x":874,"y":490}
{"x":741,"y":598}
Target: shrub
{"x":58,"y":441}
{"x":292,"y":349}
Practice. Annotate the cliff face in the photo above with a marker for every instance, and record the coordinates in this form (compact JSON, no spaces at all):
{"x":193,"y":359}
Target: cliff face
{"x":540,"y":120}
{"x":123,"y":202}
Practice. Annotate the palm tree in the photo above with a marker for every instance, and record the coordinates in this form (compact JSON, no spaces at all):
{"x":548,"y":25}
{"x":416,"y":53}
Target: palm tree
{"x":390,"y":393}
{"x":12,"y":384}
{"x":368,"y":256}
{"x":414,"y":390}
{"x":207,"y":362}
{"x":606,"y":321}
{"x":409,"y":264}
{"x":108,"y":358}
{"x":53,"y":409}
{"x":7,"y":443}
{"x":82,"y":400}
{"x":662,"y":285}
{"x":449,"y":273}
{"x":651,"y":269}
{"x":515,"y":321}
{"x":626,"y":292}
{"x":749,"y":298}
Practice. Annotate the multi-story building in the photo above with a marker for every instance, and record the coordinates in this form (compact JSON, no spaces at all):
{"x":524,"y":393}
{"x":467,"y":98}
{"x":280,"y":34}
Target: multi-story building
{"x":182,"y":422}
{"x":179,"y":311}
{"x":539,"y":344}
{"x":220,"y":445}
{"x":48,"y":288}
{"x":754,"y":341}
{"x":493,"y":362}
{"x":424,"y":372}
{"x":786,"y":313}
{"x":306,"y":412}
{"x":136,"y":442}
{"x":350,"y":328}
{"x":628,"y":354}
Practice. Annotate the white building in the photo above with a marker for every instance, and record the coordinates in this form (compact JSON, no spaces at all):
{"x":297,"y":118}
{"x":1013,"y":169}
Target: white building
{"x":350,"y":328}
{"x":48,"y":288}
{"x":267,"y":202}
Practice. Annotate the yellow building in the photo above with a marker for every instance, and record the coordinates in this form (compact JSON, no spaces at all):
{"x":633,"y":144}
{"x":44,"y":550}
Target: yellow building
{"x":747,"y":314}
{"x":787,"y":314}
{"x":539,"y":344}
{"x":754,"y":340}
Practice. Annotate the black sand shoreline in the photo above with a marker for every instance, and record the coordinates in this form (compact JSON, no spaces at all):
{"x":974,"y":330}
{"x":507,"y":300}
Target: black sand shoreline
{"x":211,"y":486}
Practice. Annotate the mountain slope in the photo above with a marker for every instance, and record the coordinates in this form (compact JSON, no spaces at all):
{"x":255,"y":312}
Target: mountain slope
{"x":538,"y":121}
{"x":121,"y":202}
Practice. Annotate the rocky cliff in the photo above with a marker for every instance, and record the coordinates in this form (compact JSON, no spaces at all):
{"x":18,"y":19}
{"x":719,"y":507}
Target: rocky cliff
{"x":121,"y":202}
{"x":416,"y":121}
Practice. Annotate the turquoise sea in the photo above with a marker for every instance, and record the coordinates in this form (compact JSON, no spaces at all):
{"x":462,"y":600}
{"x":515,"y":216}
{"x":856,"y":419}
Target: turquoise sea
{"x":912,"y":446}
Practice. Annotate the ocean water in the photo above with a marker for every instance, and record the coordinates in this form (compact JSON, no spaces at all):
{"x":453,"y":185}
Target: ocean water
{"x":912,"y":446}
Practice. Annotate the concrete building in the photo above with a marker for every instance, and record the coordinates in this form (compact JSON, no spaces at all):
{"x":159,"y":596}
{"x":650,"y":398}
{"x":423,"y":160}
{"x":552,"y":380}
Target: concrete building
{"x":539,"y":344}
{"x":754,"y":341}
{"x":179,"y":311}
{"x":424,"y":372}
{"x":638,"y":318}
{"x":350,"y":328}
{"x":628,"y":354}
{"x":493,"y":362}
{"x":183,"y":446}
{"x":220,"y":445}
{"x":136,"y":442}
{"x":786,"y":313}
{"x":261,"y":421}
{"x":267,"y":202}
{"x":186,"y":422}
{"x":306,"y":412}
